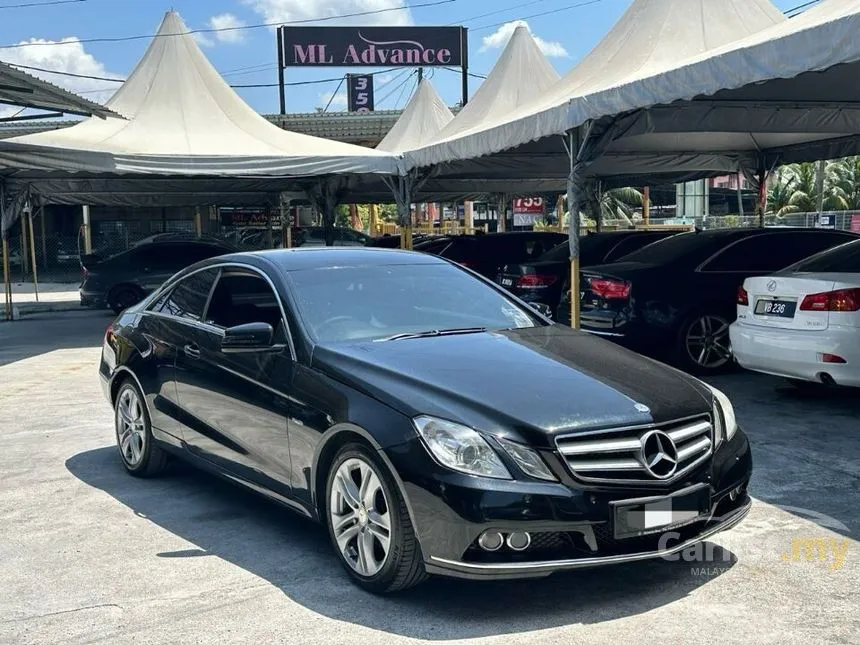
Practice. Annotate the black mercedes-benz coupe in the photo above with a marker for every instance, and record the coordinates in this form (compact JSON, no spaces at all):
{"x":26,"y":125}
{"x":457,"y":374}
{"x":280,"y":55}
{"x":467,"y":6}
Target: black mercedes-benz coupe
{"x":433,"y":422}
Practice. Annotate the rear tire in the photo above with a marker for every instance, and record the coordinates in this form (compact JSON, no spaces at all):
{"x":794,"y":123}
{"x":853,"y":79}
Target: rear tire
{"x":369,"y":525}
{"x":141,"y":456}
{"x":123,"y":297}
{"x":702,"y":345}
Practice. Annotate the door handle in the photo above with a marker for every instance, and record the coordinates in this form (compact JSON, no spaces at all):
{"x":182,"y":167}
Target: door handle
{"x":192,"y":350}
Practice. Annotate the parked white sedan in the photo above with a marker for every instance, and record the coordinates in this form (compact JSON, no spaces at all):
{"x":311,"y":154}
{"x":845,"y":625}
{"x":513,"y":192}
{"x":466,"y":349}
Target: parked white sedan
{"x":803,"y":323}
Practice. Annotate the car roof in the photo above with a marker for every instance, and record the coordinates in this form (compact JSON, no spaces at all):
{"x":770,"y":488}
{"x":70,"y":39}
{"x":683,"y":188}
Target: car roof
{"x":334,"y":257}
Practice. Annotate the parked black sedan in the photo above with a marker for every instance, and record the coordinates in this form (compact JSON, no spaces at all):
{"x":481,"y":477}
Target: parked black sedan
{"x":121,"y":280}
{"x":488,"y":253}
{"x":541,"y":280}
{"x":676,"y":298}
{"x":432,"y":422}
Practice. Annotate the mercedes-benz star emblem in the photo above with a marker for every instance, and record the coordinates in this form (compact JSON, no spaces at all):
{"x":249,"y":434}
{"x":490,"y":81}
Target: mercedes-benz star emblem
{"x":771,"y":286}
{"x":659,"y":454}
{"x":641,"y":407}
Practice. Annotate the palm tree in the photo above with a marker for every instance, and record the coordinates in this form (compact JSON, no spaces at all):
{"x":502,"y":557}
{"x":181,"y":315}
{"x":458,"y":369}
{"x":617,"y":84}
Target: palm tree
{"x":618,"y":203}
{"x":779,"y":194}
{"x":801,"y":186}
{"x":847,"y":181}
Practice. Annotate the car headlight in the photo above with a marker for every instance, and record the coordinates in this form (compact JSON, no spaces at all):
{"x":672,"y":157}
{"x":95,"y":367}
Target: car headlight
{"x":725,"y":422}
{"x":460,"y":448}
{"x":527,"y":459}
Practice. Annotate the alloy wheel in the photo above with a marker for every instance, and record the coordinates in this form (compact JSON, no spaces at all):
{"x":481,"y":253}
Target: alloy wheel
{"x":360,"y":518}
{"x":708,"y":343}
{"x":130,"y":427}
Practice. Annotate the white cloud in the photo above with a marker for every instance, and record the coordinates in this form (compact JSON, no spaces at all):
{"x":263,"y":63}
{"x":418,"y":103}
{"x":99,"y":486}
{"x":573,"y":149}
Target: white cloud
{"x":67,"y":56}
{"x":289,"y":10}
{"x":203,"y":39}
{"x":502,"y":35}
{"x":338,"y":102}
{"x":227,"y":21}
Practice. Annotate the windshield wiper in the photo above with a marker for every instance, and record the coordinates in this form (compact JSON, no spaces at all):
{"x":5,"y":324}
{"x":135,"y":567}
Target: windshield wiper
{"x":434,"y":332}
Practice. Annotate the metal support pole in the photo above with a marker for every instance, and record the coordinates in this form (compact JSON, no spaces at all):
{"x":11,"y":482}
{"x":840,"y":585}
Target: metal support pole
{"x":574,"y":188}
{"x":33,"y":255}
{"x":88,"y":235}
{"x":7,"y":284}
{"x":762,"y":196}
{"x":374,"y":220}
{"x":25,"y":249}
{"x":282,"y":99}
{"x":464,"y":68}
{"x":502,"y":206}
{"x":198,"y":223}
{"x":270,"y":241}
{"x":469,"y":220}
{"x":646,"y":205}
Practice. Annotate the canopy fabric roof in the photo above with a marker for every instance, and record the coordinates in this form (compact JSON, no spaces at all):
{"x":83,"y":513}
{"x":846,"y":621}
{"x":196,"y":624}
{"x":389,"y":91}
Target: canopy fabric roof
{"x":422,"y":119}
{"x":521,"y":73}
{"x":782,"y":92}
{"x":24,"y":90}
{"x":182,"y":118}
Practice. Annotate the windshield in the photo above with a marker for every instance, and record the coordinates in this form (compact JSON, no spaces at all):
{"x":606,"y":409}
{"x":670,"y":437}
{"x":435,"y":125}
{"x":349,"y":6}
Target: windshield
{"x":372,"y":303}
{"x":842,"y":259}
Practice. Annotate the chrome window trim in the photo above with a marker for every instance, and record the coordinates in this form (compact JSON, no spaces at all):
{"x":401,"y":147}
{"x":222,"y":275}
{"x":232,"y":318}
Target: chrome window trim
{"x":212,"y":328}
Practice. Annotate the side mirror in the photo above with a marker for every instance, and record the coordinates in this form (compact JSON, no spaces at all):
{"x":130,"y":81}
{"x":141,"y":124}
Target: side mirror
{"x":251,"y":337}
{"x":542,"y":309}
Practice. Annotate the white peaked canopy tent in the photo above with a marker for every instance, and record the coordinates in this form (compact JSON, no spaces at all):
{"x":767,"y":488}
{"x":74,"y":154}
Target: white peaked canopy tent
{"x":521,"y":72}
{"x":781,"y":92}
{"x":422,"y":119}
{"x":184,"y":129}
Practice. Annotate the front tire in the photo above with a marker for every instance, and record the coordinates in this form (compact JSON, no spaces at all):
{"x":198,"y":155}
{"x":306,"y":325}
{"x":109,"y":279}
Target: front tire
{"x":369,"y":525}
{"x":139,"y":453}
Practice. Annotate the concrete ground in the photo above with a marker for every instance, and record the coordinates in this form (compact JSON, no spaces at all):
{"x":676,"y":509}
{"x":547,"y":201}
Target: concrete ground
{"x":52,"y":297}
{"x":91,"y":555}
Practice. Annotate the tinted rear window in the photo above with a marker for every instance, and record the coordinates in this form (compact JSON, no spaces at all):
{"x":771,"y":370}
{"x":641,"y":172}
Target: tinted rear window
{"x":679,"y":247}
{"x":842,"y":259}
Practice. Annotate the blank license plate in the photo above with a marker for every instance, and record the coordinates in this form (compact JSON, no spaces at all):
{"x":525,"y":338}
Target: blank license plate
{"x":507,"y":282}
{"x":639,"y":517}
{"x":781,"y":308}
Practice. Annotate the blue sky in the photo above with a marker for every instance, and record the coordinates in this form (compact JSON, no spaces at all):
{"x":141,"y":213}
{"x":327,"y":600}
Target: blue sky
{"x":249,"y":56}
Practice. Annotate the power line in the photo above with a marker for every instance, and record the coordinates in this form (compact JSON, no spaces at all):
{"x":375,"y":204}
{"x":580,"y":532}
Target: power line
{"x":542,"y":13}
{"x":334,"y":94}
{"x":211,"y":30}
{"x":406,"y":80}
{"x":497,"y":11}
{"x":40,"y":4}
{"x":801,"y":6}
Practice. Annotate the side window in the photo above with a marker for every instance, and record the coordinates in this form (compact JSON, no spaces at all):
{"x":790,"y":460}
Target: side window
{"x":188,"y":298}
{"x":628,"y":245}
{"x":243,"y":297}
{"x":765,"y":253}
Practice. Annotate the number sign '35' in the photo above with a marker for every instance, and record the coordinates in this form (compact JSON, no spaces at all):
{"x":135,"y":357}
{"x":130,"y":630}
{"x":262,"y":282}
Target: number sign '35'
{"x":359,"y":91}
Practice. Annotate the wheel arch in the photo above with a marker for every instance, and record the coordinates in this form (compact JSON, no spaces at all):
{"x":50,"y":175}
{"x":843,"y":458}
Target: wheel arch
{"x":332,"y":440}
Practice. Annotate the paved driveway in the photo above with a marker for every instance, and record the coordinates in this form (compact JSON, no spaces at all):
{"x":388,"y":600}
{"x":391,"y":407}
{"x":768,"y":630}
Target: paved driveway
{"x":90,"y":555}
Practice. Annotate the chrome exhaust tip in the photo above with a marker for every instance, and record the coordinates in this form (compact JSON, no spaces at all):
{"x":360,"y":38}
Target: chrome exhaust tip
{"x":518,"y":541}
{"x":491,"y":541}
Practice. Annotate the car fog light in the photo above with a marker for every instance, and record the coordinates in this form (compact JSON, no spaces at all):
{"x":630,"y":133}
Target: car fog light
{"x":491,"y":541}
{"x":519,"y":541}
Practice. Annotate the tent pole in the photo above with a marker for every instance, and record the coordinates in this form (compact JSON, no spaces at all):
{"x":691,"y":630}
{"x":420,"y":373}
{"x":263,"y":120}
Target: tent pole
{"x":25,"y":250}
{"x":44,"y":237}
{"x":33,"y":255}
{"x":646,"y":205}
{"x":762,"y":196}
{"x":502,"y":208}
{"x":574,"y":189}
{"x":88,"y":237}
{"x":7,"y":285}
{"x":374,"y":220}
{"x":198,"y":223}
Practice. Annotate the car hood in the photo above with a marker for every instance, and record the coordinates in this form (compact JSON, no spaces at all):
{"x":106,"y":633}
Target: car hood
{"x":534,"y":382}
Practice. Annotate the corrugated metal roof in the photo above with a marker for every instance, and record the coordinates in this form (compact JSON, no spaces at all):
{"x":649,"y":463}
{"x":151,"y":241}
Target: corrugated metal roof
{"x":22,"y":89}
{"x":366,"y":128}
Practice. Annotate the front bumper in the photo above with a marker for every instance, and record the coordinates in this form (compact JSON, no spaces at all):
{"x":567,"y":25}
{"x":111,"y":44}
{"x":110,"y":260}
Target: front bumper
{"x":797,"y":353}
{"x":570,"y":522}
{"x":93,"y":300}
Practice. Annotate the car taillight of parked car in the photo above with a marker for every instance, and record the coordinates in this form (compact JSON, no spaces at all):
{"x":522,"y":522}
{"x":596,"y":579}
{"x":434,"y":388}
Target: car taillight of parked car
{"x":535,"y":281}
{"x":609,"y":289}
{"x":743,"y":297}
{"x":839,"y":300}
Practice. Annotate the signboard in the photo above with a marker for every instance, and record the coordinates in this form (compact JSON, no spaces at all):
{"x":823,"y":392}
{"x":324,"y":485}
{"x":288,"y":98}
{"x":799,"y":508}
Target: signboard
{"x":855,"y":223}
{"x":372,"y":46}
{"x":359,"y":92}
{"x":247,"y":217}
{"x":527,"y":210}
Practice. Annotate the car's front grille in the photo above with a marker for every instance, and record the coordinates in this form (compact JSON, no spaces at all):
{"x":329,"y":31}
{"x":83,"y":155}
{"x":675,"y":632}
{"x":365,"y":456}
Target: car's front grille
{"x":638,"y":454}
